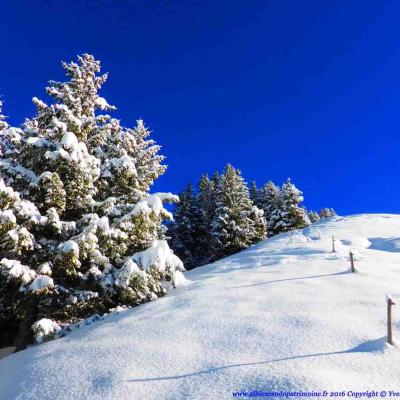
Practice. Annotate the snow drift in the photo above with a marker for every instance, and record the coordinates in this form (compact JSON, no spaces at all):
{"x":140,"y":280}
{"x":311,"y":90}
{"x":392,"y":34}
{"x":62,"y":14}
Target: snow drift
{"x":285,"y":314}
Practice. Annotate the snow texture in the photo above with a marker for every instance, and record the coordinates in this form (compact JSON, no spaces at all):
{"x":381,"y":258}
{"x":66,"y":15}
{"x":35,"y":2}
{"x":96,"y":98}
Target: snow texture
{"x":154,"y":203}
{"x":285,"y":314}
{"x":43,"y":328}
{"x":158,"y":256}
{"x":41,"y":282}
{"x":13,"y":269}
{"x":45,"y":269}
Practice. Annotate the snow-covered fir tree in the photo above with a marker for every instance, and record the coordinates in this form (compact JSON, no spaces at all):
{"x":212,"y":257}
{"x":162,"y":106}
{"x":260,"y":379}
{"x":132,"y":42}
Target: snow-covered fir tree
{"x":254,"y":193}
{"x":269,"y":202}
{"x":207,"y":199}
{"x":313,"y":216}
{"x":79,"y":231}
{"x":3,"y":123}
{"x":9,"y":136}
{"x":237,"y":222}
{"x":187,"y":231}
{"x":207,"y":205}
{"x":289,"y":214}
{"x":327,"y":212}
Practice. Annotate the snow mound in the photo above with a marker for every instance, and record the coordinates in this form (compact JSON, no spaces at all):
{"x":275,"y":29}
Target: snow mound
{"x":283,"y":315}
{"x":385,"y":244}
{"x":45,"y":328}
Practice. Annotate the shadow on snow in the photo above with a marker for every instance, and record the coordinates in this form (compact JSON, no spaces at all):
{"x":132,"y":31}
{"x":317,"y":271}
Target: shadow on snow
{"x":366,"y":347}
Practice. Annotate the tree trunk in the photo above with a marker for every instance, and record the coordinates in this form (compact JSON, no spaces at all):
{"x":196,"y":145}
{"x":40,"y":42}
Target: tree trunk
{"x":25,"y":333}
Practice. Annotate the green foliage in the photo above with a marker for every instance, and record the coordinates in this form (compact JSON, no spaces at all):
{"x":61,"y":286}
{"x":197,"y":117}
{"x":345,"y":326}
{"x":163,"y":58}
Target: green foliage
{"x":75,"y":199}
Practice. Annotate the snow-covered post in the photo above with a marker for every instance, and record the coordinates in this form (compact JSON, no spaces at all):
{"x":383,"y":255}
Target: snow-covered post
{"x":352,"y":262}
{"x":390,"y":303}
{"x":333,"y":244}
{"x":319,"y":236}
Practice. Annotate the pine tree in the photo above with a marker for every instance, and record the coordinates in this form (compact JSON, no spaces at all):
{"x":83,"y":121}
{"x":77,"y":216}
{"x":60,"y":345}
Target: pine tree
{"x":290,"y":215}
{"x":207,"y":199}
{"x":269,"y":202}
{"x":186,"y":230}
{"x":3,"y":123}
{"x":75,"y":205}
{"x":215,"y":181}
{"x":254,"y":193}
{"x":207,"y":205}
{"x":313,"y":216}
{"x":9,"y":136}
{"x":327,"y":212}
{"x":234,"y":226}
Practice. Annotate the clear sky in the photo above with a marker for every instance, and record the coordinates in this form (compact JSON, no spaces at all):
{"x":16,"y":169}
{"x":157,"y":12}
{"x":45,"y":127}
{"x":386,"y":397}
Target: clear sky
{"x":305,"y":89}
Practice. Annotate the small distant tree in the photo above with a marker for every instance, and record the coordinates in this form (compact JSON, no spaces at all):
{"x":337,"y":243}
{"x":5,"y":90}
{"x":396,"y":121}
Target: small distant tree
{"x":236,"y":223}
{"x":269,"y":201}
{"x":3,"y":123}
{"x":187,"y":235}
{"x":327,"y":212}
{"x":313,"y":216}
{"x":290,"y":215}
{"x":207,"y":205}
{"x":10,"y":137}
{"x":254,"y":193}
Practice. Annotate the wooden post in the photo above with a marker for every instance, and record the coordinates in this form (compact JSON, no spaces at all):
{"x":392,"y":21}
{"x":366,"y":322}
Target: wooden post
{"x":352,"y":262}
{"x":390,"y":303}
{"x":333,"y":244}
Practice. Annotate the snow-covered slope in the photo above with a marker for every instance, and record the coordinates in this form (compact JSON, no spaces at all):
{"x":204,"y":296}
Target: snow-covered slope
{"x":285,"y":314}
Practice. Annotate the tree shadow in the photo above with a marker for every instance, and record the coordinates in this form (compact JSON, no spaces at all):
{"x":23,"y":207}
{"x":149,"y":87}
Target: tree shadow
{"x":290,"y":279}
{"x":366,"y":347}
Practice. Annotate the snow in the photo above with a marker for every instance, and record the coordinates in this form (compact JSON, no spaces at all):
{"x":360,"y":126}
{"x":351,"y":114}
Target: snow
{"x":128,"y":271}
{"x":102,"y":104}
{"x":285,"y":314}
{"x":154,"y":203}
{"x":45,"y":269}
{"x":7,"y":216}
{"x":38,"y":102}
{"x":18,"y":170}
{"x":69,"y":140}
{"x":158,"y":256}
{"x":385,"y":244}
{"x":41,"y":282}
{"x":13,"y":269}
{"x":43,"y":328}
{"x":68,"y":247}
{"x":124,"y":162}
{"x":179,"y":280}
{"x":38,"y":142}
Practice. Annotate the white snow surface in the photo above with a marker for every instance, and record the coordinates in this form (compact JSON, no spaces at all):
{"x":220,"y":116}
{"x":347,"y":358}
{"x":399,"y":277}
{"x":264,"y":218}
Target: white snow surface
{"x":286,"y":314}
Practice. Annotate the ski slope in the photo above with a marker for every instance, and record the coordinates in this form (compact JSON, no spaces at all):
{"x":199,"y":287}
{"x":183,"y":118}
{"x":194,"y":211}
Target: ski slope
{"x":285,"y":314}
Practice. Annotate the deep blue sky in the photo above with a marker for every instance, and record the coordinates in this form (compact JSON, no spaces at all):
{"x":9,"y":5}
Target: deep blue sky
{"x":306,"y":89}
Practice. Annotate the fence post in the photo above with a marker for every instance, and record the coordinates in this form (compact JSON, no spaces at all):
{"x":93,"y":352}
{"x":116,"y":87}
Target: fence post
{"x":390,"y":303}
{"x":333,"y":244}
{"x":352,"y":262}
{"x":319,"y":236}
